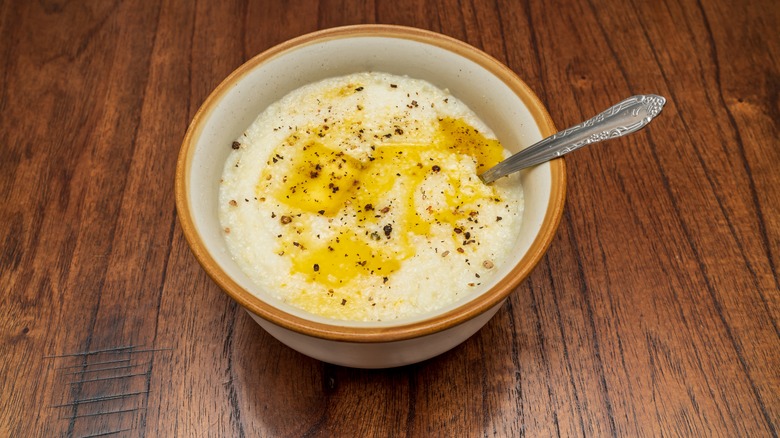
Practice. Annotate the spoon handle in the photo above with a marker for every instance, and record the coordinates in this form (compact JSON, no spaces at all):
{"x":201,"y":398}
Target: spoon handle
{"x":624,"y":118}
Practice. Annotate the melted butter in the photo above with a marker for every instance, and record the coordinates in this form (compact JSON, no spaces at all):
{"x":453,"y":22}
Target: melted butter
{"x":401,"y":165}
{"x":339,"y":260}
{"x":321,"y":180}
{"x":343,"y":91}
{"x":459,"y":136}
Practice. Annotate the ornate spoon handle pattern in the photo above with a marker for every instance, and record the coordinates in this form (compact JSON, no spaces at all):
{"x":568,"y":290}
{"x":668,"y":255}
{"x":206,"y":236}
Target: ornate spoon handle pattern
{"x":621,"y":119}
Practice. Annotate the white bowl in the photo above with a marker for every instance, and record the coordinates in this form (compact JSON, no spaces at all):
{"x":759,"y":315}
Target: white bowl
{"x":489,"y":88}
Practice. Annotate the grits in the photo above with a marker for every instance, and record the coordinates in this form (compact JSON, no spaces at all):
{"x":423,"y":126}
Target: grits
{"x":357,"y":198}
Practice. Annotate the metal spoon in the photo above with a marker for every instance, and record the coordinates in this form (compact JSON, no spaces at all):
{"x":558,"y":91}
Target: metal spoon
{"x":624,"y":118}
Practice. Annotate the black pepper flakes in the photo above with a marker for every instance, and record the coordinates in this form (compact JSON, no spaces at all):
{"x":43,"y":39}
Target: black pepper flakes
{"x":387,"y":229}
{"x":236,"y":145}
{"x":436,"y":168}
{"x":285,"y":220}
{"x":343,"y":301}
{"x":316,"y":267}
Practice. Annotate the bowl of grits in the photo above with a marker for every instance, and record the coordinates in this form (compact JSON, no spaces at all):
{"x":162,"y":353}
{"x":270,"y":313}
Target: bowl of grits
{"x":330,"y":186}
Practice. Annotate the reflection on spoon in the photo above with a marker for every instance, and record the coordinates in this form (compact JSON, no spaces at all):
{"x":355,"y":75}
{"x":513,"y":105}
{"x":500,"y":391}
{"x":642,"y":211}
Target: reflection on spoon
{"x":624,"y":118}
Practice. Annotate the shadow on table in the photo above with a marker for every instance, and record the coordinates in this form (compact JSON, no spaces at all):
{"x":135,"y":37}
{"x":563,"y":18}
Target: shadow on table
{"x":284,"y":393}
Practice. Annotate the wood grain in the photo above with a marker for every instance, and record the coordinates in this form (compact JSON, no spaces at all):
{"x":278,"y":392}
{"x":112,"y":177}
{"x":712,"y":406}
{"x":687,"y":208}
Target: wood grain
{"x":655,"y":311}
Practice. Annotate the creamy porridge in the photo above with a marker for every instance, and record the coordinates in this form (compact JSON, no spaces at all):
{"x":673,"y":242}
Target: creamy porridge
{"x":357,"y":198}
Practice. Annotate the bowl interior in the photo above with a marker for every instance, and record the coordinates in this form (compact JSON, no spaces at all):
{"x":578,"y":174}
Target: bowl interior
{"x":501,"y":100}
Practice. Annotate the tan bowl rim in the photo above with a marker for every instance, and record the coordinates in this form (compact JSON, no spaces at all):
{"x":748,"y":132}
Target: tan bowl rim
{"x":436,"y":323}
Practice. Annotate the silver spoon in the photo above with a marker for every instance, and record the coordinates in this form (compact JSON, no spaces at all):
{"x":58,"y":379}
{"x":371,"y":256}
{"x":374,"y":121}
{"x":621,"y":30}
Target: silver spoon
{"x":624,"y":118}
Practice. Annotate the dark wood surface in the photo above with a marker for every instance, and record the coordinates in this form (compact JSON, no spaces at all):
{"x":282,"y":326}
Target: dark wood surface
{"x":654,"y":313}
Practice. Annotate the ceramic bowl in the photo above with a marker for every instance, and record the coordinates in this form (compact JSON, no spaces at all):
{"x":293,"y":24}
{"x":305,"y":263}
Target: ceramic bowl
{"x":493,"y":91}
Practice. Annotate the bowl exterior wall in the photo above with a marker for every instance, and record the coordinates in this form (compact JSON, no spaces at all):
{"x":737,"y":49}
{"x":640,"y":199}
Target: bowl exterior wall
{"x":377,"y":354}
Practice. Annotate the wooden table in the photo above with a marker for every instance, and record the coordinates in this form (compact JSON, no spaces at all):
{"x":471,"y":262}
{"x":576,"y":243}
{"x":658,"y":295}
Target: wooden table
{"x":654,"y":313}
